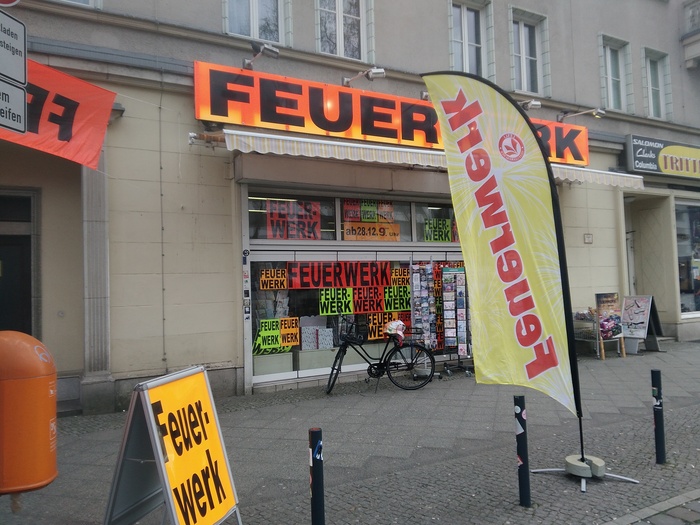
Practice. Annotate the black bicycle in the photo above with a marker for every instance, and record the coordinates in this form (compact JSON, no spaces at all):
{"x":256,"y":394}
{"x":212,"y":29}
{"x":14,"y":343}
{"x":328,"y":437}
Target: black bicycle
{"x":408,"y":364}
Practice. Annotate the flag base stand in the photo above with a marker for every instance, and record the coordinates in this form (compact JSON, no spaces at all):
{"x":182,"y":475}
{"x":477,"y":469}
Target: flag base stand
{"x":591,"y":467}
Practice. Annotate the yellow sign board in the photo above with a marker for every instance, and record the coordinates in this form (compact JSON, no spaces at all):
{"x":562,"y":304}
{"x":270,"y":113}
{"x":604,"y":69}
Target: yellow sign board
{"x":193,"y":454}
{"x":193,"y":476}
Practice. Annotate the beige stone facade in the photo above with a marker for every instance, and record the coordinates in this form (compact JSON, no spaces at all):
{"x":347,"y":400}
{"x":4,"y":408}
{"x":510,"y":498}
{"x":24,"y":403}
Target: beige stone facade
{"x":142,"y":267}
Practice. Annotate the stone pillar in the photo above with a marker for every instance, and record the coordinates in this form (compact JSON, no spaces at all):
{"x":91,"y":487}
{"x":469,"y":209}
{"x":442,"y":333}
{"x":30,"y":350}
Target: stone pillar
{"x":97,"y":385}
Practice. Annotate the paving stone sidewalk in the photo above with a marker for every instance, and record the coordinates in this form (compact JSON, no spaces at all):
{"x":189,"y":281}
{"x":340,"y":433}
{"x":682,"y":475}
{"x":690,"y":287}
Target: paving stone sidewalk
{"x":443,"y":454}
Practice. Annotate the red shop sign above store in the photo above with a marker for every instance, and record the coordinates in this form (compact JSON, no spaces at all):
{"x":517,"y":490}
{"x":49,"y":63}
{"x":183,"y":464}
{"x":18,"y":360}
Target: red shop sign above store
{"x":246,"y":97}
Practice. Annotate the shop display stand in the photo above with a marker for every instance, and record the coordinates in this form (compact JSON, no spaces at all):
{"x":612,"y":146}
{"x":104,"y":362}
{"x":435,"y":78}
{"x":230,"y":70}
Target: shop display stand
{"x":423,"y":308}
{"x":455,"y":308}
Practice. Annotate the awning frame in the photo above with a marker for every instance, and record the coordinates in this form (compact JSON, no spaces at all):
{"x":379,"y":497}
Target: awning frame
{"x":246,"y":141}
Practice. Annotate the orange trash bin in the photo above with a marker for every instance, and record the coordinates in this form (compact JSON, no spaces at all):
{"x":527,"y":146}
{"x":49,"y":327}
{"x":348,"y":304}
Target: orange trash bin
{"x":28,"y":430}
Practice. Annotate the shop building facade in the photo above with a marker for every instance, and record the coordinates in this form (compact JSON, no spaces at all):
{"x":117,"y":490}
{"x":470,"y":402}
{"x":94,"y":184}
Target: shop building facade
{"x":206,"y":232}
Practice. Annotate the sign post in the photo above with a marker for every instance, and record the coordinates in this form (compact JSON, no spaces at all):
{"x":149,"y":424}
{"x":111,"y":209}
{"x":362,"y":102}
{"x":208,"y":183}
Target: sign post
{"x":173,"y":454}
{"x":13,"y":73}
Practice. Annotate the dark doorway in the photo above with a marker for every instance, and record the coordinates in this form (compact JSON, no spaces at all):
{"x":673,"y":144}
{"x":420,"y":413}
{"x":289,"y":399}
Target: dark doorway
{"x":16,"y":283}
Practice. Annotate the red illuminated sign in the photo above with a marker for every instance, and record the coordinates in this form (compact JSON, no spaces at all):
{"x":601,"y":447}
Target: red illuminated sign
{"x":249,"y":98}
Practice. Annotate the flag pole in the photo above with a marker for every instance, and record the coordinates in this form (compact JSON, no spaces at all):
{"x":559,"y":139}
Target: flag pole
{"x":581,"y":466}
{"x":566,"y":297}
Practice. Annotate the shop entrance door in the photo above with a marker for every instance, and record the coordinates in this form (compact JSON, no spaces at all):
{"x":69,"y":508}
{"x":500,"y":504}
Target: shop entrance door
{"x":15,"y":283}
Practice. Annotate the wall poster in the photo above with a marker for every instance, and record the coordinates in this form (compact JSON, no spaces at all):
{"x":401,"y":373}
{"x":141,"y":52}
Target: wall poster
{"x":297,"y":305}
{"x":609,"y":319}
{"x":370,"y":220}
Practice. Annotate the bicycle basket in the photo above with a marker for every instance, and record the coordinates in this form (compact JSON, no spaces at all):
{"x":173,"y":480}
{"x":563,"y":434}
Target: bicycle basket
{"x":395,"y":328}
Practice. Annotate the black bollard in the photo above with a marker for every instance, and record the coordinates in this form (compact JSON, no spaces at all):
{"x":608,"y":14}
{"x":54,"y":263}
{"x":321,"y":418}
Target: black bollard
{"x":659,"y":436}
{"x":521,"y":450}
{"x":318,"y":514}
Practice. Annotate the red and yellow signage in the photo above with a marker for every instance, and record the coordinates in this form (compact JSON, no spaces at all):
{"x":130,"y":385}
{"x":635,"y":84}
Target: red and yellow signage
{"x":565,"y":143}
{"x":199,"y":483}
{"x":502,"y":197}
{"x":250,"y":98}
{"x":299,"y":220}
{"x":66,"y":116}
{"x":338,"y":274}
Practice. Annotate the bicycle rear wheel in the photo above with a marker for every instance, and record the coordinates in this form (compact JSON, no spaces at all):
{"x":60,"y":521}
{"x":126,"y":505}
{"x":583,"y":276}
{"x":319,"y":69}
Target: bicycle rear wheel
{"x":410,"y":366}
{"x":335,"y":369}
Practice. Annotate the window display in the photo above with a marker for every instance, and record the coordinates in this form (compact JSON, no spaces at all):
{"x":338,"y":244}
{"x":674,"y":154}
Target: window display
{"x":299,"y":305}
{"x":291,"y":219}
{"x":688,"y":241}
{"x":435,"y":223}
{"x":376,"y":220}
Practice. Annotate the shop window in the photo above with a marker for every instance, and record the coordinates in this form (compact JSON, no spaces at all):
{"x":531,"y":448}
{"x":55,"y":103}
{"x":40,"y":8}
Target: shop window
{"x":287,"y":219}
{"x":688,"y":241}
{"x":298,"y":308}
{"x":436,"y":223}
{"x":375,"y":220}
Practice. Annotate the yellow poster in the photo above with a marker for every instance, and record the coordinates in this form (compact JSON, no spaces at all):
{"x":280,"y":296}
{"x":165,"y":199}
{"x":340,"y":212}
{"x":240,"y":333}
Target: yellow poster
{"x":502,"y":197}
{"x":194,"y":458}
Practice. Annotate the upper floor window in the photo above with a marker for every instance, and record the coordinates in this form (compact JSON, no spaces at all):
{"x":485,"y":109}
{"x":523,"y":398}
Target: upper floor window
{"x":259,"y":19}
{"x":529,"y":38}
{"x":657,"y":84}
{"x":615,"y":69}
{"x":341,"y":26}
{"x":467,"y":39}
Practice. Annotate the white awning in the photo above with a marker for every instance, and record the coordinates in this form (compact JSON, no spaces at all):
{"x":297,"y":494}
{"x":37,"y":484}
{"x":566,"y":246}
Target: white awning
{"x":607,"y":178}
{"x":247,"y":142}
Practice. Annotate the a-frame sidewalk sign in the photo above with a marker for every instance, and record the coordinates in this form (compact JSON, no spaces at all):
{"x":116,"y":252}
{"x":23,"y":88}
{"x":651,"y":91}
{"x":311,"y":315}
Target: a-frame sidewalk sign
{"x":173,"y":453}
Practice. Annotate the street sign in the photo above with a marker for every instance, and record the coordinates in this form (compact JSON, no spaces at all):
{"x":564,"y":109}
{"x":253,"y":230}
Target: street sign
{"x":8,"y":3}
{"x":13,"y":49}
{"x":13,"y":107}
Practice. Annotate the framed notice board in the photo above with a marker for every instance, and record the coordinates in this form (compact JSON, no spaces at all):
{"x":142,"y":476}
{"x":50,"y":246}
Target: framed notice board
{"x":635,"y":316}
{"x":640,"y":320}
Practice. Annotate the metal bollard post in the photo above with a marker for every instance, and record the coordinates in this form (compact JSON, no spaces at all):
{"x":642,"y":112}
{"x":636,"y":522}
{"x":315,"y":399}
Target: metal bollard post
{"x":318,"y":516}
{"x":659,"y":436}
{"x":521,"y":450}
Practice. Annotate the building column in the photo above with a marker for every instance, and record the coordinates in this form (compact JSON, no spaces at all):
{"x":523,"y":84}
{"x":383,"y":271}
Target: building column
{"x":97,"y":385}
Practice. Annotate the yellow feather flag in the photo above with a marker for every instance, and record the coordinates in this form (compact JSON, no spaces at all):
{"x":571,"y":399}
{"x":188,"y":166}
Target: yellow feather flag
{"x":503,"y":198}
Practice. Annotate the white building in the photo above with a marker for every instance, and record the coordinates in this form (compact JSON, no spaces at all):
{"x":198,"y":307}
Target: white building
{"x":168,"y":253}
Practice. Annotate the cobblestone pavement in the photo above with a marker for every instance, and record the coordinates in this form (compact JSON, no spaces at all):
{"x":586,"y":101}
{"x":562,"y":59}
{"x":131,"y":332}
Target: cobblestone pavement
{"x":442,"y":454}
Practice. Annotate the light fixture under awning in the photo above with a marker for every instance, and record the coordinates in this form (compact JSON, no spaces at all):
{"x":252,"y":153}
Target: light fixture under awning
{"x":247,"y":142}
{"x":607,"y":178}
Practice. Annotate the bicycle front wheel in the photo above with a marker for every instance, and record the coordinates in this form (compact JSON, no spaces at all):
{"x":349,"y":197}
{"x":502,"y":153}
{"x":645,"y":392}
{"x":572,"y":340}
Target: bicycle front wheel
{"x":335,"y":369}
{"x":410,"y":366}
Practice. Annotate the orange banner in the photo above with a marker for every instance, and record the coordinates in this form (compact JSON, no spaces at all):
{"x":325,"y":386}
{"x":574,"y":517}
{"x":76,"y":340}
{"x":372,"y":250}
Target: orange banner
{"x":503,"y":201}
{"x":564,"y":143}
{"x":66,"y":116}
{"x":250,"y":98}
